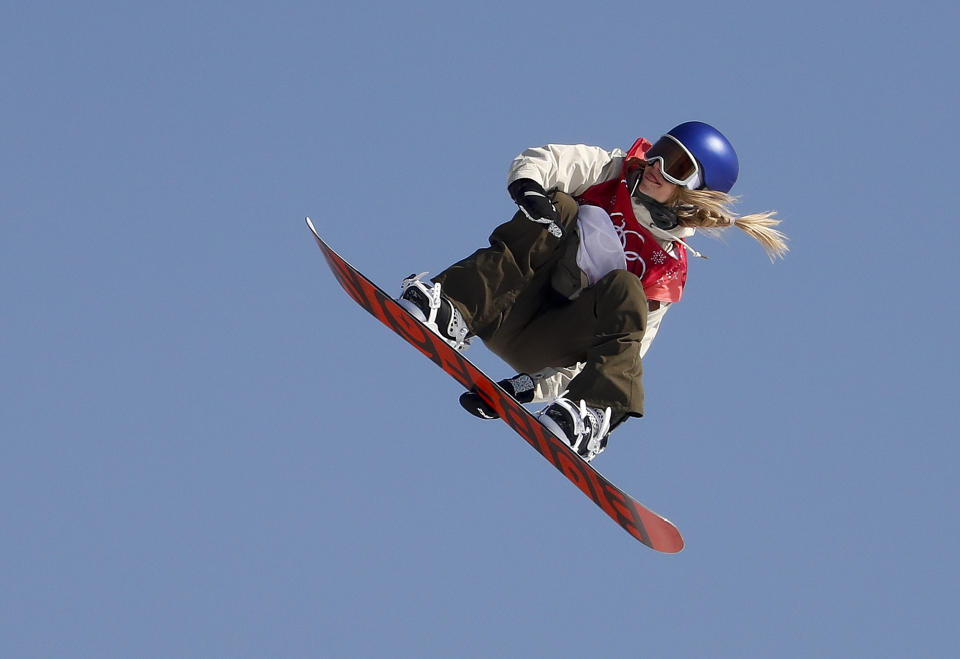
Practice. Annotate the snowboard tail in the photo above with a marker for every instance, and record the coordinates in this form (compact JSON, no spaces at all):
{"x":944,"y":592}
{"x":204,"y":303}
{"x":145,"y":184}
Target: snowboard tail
{"x":643,"y":524}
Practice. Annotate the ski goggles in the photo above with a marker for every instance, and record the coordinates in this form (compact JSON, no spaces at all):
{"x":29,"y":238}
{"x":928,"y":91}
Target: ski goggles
{"x":677,"y":164}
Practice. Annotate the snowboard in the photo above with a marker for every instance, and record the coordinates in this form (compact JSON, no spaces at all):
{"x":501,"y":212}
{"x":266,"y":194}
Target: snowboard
{"x":643,"y":524}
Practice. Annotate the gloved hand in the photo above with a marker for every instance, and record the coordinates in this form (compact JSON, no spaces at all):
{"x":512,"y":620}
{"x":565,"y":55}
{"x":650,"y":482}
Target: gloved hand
{"x":535,"y":204}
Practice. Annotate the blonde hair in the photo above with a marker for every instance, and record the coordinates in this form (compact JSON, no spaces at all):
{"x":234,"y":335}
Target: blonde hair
{"x":710,"y":211}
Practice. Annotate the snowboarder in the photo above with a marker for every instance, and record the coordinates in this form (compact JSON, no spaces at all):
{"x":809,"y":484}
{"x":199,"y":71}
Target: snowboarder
{"x":572,"y":290}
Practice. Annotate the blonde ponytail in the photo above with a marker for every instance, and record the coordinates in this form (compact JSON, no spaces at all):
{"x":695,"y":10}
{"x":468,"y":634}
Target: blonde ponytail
{"x":710,"y":211}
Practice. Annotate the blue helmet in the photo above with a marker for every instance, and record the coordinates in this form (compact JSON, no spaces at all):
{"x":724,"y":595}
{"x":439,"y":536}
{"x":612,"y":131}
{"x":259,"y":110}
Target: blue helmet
{"x":713,"y":151}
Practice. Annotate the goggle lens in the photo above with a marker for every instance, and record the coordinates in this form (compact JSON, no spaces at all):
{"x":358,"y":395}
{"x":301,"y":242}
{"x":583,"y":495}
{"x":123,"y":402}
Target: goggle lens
{"x":676,"y":163}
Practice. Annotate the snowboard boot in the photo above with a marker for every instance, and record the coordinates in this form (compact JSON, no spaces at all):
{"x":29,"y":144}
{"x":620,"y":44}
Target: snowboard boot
{"x":427,"y":305}
{"x":584,"y":429}
{"x":520,"y":386}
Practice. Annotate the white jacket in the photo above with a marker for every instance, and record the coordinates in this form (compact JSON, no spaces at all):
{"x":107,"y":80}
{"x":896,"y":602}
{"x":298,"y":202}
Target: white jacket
{"x":573,"y":168}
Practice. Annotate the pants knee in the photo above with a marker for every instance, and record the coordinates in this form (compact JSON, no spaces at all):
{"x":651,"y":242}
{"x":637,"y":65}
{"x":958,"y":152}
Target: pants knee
{"x":621,"y":297}
{"x":624,"y":284}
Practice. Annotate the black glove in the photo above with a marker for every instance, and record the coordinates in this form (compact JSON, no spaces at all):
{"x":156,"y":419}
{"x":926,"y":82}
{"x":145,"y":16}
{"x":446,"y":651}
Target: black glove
{"x":535,"y":204}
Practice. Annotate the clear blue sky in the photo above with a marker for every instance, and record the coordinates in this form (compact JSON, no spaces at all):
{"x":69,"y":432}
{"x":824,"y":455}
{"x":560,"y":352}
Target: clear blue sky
{"x":206,"y":449}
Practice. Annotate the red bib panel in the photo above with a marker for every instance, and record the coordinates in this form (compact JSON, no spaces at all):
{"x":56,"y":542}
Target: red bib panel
{"x":663,"y":276}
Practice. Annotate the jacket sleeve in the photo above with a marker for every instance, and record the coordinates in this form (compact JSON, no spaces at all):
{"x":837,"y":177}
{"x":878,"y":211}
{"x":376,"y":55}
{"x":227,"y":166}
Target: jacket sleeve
{"x":653,"y":326}
{"x":551,"y":382}
{"x":570,"y":168}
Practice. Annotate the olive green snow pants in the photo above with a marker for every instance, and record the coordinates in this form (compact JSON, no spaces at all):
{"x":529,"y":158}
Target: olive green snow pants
{"x":526,"y":298}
